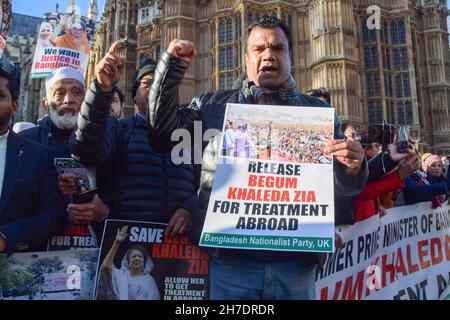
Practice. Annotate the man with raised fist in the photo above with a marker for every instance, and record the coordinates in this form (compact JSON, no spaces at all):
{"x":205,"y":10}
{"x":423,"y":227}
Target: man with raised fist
{"x":248,"y":274}
{"x":144,"y":185}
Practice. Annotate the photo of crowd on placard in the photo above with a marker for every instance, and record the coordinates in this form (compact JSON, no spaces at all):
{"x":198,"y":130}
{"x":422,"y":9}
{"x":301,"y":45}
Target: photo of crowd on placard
{"x":282,"y":138}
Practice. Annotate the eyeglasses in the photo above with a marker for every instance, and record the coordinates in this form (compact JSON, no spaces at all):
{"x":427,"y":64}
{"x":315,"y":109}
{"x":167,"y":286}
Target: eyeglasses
{"x":146,"y":84}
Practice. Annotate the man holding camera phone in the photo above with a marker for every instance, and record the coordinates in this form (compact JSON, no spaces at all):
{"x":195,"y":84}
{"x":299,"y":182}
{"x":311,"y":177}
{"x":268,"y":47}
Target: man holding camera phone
{"x":65,"y":90}
{"x":388,"y":169}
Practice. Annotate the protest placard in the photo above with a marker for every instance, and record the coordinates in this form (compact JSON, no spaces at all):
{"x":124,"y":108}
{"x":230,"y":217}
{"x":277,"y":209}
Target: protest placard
{"x":5,"y":23}
{"x":404,"y":255}
{"x":137,"y":262}
{"x":76,"y":234}
{"x":273,"y":187}
{"x":63,"y":41}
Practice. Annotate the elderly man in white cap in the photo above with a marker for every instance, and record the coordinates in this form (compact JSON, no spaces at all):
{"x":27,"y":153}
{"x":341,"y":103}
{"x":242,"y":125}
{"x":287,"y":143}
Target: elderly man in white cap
{"x":65,"y":90}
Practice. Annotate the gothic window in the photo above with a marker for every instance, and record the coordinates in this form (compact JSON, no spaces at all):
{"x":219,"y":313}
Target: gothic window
{"x":404,"y":58}
{"x":222,"y":56}
{"x":390,"y":112}
{"x":365,"y":31}
{"x":385,"y":32}
{"x":386,"y":85}
{"x":222,"y":31}
{"x":401,"y":113}
{"x":228,"y":46}
{"x":401,"y":32}
{"x":406,"y":86}
{"x":367,"y":58}
{"x":375,"y":113}
{"x":230,"y":58}
{"x":386,"y":58}
{"x":378,"y":111}
{"x":369,"y":85}
{"x":222,"y":82}
{"x":371,"y":112}
{"x":373,"y":35}
{"x":409,"y":112}
{"x":397,"y":64}
{"x":229,"y":30}
{"x":374,"y":57}
{"x":229,"y":80}
{"x":398,"y":86}
{"x":376,"y":84}
{"x":370,"y":57}
{"x":394,"y":35}
{"x":373,"y":85}
{"x":390,"y":87}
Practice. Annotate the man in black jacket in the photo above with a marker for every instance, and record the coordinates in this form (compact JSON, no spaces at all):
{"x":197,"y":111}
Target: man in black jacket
{"x":145,"y":185}
{"x":31,"y":205}
{"x":248,"y":274}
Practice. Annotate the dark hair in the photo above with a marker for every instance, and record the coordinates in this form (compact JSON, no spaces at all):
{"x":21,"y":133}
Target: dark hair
{"x":121,"y":96}
{"x":320,"y":93}
{"x":138,"y":248}
{"x":13,"y":86}
{"x":272,"y":23}
{"x":345,"y":125}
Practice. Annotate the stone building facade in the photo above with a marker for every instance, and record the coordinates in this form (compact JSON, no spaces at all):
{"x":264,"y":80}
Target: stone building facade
{"x":398,"y":72}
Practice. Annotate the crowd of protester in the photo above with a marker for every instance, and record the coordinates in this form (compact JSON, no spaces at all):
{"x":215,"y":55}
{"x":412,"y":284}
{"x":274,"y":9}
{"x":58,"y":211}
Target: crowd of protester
{"x":286,"y":142}
{"x":395,"y":178}
{"x":137,"y":179}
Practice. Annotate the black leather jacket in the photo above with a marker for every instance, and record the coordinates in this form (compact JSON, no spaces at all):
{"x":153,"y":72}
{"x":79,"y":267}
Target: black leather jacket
{"x":143,"y":185}
{"x":165,"y":115}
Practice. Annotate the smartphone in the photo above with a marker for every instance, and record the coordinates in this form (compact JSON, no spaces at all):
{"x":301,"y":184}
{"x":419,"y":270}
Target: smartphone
{"x":383,"y":134}
{"x":84,"y":197}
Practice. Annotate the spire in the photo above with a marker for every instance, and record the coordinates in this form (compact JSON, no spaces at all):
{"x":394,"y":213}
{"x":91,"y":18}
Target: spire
{"x":57,"y":7}
{"x":72,"y":8}
{"x":93,"y":10}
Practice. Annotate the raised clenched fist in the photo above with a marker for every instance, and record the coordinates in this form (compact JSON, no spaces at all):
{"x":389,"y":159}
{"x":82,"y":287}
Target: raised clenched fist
{"x":182,"y":49}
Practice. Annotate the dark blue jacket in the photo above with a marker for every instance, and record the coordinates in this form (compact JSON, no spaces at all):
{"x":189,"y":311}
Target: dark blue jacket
{"x":144,"y":184}
{"x":48,"y":134}
{"x":58,"y":140}
{"x":31,"y":205}
{"x":415,"y":192}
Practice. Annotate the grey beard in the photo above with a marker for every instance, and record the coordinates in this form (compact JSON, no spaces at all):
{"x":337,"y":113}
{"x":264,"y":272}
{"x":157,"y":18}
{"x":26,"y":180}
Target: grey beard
{"x":64,"y":122}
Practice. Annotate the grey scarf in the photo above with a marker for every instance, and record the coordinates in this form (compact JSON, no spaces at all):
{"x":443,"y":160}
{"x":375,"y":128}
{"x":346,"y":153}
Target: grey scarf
{"x":269,"y":96}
